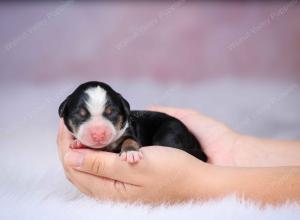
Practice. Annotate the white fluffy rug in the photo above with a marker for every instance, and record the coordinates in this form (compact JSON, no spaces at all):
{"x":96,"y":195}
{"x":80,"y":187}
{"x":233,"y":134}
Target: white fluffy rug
{"x":32,"y":183}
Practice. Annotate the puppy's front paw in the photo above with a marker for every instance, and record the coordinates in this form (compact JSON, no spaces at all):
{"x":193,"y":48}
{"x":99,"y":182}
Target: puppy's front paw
{"x":131,"y":156}
{"x":76,"y":144}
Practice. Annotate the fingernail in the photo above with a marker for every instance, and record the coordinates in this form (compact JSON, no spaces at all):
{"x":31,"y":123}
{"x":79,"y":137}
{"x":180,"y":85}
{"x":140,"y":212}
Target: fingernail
{"x":74,"y":159}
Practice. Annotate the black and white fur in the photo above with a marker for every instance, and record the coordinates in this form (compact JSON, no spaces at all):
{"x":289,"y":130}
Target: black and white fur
{"x":100,"y":118}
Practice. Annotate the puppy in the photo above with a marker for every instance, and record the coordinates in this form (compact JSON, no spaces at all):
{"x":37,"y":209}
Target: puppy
{"x":100,"y":118}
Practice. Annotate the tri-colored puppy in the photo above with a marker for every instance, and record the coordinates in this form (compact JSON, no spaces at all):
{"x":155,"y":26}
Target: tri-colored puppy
{"x":100,"y":118}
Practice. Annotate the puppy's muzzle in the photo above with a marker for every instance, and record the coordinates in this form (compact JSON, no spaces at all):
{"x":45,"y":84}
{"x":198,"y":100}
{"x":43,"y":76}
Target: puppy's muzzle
{"x":99,"y":136}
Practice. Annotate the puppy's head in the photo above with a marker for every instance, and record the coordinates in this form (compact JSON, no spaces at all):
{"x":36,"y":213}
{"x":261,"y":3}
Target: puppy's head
{"x":95,"y":114}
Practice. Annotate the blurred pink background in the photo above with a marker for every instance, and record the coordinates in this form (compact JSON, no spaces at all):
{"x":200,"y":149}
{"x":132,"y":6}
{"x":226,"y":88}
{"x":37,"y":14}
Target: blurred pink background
{"x":169,"y":40}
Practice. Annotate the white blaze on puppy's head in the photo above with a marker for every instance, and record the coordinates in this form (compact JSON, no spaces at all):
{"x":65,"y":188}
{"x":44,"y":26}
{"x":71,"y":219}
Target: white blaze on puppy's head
{"x":98,"y":131}
{"x":96,"y":101}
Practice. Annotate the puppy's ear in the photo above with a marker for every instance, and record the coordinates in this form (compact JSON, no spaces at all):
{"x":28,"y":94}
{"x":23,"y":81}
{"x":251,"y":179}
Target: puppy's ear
{"x":62,"y":107}
{"x":125,"y":104}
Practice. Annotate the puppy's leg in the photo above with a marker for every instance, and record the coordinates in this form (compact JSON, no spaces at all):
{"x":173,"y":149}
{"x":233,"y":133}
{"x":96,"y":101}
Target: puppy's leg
{"x":130,"y":151}
{"x":76,"y":144}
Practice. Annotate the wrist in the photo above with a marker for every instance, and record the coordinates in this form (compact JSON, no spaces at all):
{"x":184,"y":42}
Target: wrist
{"x":250,"y":152}
{"x":202,"y":182}
{"x":258,"y":152}
{"x":215,"y":182}
{"x":225,"y":151}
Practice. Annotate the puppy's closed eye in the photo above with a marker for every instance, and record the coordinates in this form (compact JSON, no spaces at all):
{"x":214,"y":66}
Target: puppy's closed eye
{"x":108,"y":110}
{"x":82,"y":112}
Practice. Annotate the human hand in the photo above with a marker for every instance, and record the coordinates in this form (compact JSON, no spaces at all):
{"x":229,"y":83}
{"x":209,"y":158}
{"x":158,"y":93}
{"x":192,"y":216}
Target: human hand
{"x":170,"y":175}
{"x":164,"y":175}
{"x":217,"y":140}
{"x":226,"y":147}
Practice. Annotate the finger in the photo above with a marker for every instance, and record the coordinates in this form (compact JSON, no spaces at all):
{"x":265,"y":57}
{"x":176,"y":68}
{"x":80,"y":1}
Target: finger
{"x":182,"y":114}
{"x":64,"y":139}
{"x":64,"y":132}
{"x":175,"y":112}
{"x":101,"y":188}
{"x":185,"y":115}
{"x":104,"y":164}
{"x":202,"y":126}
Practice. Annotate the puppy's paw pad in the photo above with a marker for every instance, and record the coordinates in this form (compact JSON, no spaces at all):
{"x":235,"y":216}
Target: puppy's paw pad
{"x":131,"y":156}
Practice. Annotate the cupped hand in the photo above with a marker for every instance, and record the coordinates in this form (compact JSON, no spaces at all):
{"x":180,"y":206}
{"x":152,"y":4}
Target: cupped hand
{"x":170,"y":175}
{"x":163,"y":175}
{"x":217,"y":140}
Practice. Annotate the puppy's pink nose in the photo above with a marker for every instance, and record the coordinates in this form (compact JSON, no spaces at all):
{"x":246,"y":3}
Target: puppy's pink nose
{"x":98,"y":136}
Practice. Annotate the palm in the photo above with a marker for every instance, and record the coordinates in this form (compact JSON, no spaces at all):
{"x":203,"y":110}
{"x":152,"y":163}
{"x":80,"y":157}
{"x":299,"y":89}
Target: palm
{"x":216,"y":139}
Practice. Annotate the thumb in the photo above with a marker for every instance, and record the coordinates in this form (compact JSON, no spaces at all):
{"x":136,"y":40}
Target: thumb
{"x":103,"y":164}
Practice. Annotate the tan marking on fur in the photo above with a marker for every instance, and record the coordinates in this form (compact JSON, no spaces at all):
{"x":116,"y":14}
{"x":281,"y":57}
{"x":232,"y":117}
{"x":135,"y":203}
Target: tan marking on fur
{"x":130,"y":144}
{"x":72,"y":126}
{"x":108,"y":110}
{"x":119,"y":122}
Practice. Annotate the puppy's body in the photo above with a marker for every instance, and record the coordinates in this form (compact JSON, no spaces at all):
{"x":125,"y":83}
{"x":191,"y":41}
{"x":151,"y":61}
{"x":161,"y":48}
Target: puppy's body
{"x":155,"y":128}
{"x":101,"y":118}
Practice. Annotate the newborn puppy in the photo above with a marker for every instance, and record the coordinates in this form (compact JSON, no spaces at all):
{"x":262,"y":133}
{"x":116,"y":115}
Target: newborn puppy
{"x":100,"y":118}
